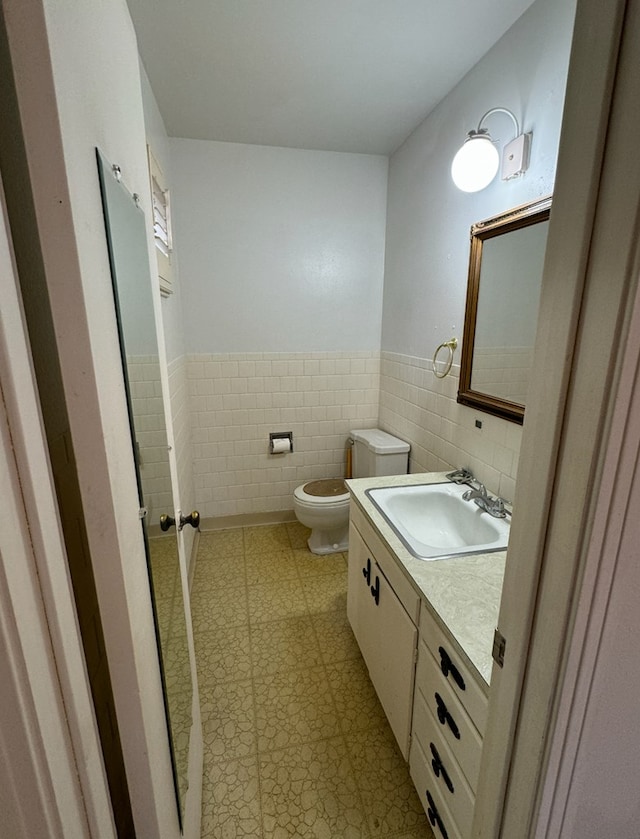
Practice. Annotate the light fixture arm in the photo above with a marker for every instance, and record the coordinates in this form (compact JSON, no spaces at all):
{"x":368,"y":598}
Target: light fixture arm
{"x":480,"y":129}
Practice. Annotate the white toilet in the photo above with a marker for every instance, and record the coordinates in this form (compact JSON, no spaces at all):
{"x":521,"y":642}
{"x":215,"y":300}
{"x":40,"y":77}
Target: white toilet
{"x":323,"y":505}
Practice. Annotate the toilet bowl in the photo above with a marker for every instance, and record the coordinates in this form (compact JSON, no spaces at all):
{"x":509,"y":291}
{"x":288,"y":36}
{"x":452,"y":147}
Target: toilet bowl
{"x":323,"y":506}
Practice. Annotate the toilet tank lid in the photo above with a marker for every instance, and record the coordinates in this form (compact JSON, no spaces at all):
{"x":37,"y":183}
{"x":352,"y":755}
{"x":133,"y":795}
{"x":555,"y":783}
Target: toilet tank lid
{"x":379,"y":441}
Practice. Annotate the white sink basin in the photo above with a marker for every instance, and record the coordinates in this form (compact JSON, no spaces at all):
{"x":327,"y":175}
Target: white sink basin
{"x":434,"y":521}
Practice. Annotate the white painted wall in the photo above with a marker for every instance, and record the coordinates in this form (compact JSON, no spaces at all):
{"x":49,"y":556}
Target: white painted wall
{"x":281,"y":250}
{"x":428,"y":221}
{"x":427,"y":242}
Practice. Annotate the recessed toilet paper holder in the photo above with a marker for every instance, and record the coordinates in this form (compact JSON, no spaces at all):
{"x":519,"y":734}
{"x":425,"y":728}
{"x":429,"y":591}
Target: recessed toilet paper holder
{"x":280,"y":435}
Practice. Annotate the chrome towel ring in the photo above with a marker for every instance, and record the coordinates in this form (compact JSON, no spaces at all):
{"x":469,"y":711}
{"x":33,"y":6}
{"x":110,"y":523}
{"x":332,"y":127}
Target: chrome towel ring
{"x":451,"y":345}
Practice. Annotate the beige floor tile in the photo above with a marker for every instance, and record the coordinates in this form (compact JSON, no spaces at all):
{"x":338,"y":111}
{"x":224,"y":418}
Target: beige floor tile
{"x":231,"y":800}
{"x":310,"y":791}
{"x":295,"y":741}
{"x":326,"y":592}
{"x":218,"y":609}
{"x":220,"y":542}
{"x":223,"y":655}
{"x":219,"y":571}
{"x":298,"y":534}
{"x":294,"y":708}
{"x":270,"y":602}
{"x":311,"y":564}
{"x":389,"y":796}
{"x":265,"y":538}
{"x":228,"y":727}
{"x":282,"y":645}
{"x":335,"y":636}
{"x":271,"y":566}
{"x":356,"y":701}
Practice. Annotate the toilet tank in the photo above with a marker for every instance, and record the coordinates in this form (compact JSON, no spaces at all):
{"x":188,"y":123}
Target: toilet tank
{"x":377,"y":453}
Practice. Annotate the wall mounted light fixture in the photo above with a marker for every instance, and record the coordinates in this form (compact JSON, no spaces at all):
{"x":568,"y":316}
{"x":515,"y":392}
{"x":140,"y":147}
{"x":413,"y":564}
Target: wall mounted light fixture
{"x":476,"y":162}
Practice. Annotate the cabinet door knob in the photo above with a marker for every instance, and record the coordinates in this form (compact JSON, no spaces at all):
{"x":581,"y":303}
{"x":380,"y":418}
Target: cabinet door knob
{"x":438,"y":768}
{"x":434,"y":816}
{"x":447,"y":666}
{"x":375,"y":591}
{"x":445,"y":717}
{"x":366,"y":572}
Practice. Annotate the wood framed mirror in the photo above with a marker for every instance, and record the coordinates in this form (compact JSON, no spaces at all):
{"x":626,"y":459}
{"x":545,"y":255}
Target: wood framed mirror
{"x":501,"y":315}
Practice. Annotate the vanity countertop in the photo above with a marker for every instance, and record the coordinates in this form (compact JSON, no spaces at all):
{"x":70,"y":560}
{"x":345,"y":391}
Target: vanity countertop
{"x":464,"y":592}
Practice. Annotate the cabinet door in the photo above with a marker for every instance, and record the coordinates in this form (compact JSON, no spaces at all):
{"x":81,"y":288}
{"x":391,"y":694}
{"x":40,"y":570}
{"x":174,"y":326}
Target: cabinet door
{"x":386,"y":635}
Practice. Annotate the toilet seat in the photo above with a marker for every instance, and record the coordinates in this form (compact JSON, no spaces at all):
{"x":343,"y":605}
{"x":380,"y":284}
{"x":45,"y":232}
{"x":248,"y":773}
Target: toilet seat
{"x":327,"y":492}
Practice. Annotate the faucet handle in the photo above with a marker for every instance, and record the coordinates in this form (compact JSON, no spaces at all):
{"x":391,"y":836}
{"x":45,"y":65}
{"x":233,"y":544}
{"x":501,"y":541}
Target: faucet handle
{"x":497,"y":508}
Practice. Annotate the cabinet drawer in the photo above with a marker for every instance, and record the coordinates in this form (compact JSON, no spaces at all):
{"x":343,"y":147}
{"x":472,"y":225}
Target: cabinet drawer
{"x":456,"y":727}
{"x":444,"y":826}
{"x":444,"y":772}
{"x":405,"y":592}
{"x":459,"y":676}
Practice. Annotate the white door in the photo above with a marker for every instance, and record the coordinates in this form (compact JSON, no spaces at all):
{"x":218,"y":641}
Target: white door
{"x":46,"y":713}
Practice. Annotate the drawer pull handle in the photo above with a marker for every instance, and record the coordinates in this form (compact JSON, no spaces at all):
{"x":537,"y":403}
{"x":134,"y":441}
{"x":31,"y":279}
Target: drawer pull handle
{"x":447,"y":666}
{"x":445,"y":717}
{"x":438,"y":768}
{"x":375,"y":590}
{"x":366,"y":572}
{"x":434,"y":816}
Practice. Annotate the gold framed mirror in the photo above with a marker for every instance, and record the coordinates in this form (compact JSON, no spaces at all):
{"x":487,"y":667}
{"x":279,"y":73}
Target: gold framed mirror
{"x":501,"y":314}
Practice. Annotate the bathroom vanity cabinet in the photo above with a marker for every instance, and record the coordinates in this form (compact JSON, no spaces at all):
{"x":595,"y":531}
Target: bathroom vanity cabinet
{"x":449,"y":714}
{"x":384,"y":623}
{"x":434,"y":698}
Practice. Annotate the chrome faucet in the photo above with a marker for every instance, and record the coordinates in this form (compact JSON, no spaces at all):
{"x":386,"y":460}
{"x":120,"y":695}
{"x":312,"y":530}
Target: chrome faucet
{"x":494,"y":506}
{"x":479,"y":491}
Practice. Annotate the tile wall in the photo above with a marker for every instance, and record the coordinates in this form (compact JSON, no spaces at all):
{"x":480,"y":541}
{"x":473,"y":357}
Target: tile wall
{"x":236,"y":399}
{"x":422,"y":409}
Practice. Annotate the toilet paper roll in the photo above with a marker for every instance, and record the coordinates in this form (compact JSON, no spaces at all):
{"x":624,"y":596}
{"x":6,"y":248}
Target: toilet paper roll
{"x":280,"y":445}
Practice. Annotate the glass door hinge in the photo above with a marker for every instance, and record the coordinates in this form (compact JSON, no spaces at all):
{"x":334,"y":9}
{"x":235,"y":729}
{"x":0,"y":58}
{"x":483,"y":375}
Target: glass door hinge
{"x":499,"y":644}
{"x":142,"y":512}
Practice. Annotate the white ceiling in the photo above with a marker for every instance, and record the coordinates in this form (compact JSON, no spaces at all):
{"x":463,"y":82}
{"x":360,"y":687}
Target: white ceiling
{"x":339,"y":75}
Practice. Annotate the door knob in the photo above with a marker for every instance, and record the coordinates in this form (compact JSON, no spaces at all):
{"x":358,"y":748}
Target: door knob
{"x":193,"y":519}
{"x":166,"y":522}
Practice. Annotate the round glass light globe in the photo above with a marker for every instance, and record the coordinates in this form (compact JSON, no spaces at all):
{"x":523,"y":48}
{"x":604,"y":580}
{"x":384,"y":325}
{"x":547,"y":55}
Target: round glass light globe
{"x":475,"y":165}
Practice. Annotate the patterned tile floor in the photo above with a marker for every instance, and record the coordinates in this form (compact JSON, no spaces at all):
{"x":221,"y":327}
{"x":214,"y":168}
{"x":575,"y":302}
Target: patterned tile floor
{"x":296,"y":743}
